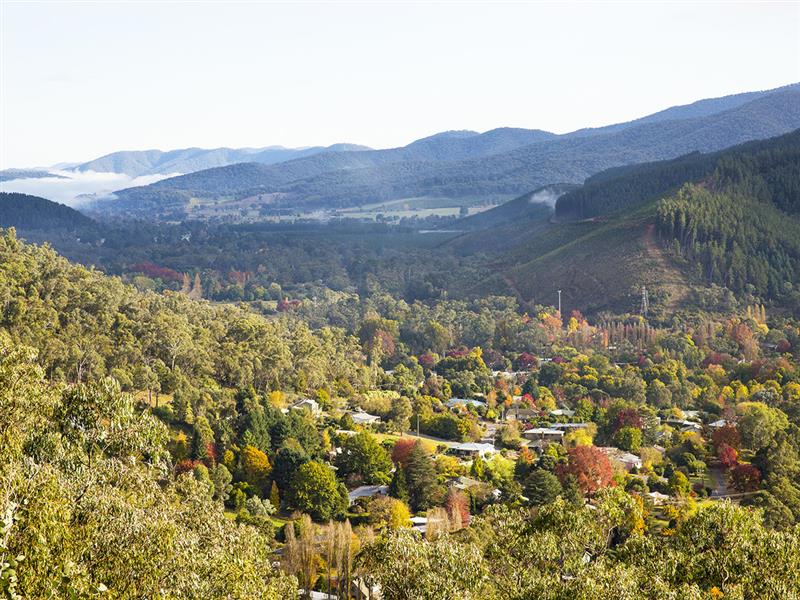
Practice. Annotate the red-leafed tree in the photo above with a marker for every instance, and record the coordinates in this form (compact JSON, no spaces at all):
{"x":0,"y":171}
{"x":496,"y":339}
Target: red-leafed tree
{"x":727,"y":435}
{"x":402,"y":448}
{"x":590,"y":466}
{"x":745,"y":478}
{"x":727,"y":456}
{"x":526,"y":361}
{"x":185,"y":466}
{"x":427,"y":360}
{"x":628,"y":417}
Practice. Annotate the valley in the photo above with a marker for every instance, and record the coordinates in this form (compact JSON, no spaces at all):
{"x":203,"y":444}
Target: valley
{"x":502,"y":365}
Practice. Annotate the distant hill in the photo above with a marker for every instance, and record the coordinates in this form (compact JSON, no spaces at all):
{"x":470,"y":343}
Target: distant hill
{"x":730,"y":218}
{"x":10,"y":174}
{"x":188,"y":160}
{"x":535,"y":205}
{"x":480,"y":165}
{"x":32,"y":213}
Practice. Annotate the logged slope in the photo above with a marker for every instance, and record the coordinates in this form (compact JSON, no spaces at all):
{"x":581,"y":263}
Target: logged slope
{"x":729,"y":218}
{"x":347,"y":179}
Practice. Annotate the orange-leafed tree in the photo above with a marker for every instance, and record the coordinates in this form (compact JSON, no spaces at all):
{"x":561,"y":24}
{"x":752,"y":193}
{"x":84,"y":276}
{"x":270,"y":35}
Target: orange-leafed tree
{"x":590,"y":466}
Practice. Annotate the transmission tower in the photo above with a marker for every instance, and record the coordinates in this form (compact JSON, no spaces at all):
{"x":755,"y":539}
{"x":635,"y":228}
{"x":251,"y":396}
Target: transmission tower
{"x":645,"y":301}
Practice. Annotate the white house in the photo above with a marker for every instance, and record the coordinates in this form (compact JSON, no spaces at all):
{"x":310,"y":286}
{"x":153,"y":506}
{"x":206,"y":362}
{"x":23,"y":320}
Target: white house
{"x":472,"y":450}
{"x":562,"y":412}
{"x":363,"y":418}
{"x":307,"y":404}
{"x":453,"y":402}
{"x":626,"y":459}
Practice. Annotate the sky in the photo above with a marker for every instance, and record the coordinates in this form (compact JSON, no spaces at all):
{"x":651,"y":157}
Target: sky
{"x":83,"y":79}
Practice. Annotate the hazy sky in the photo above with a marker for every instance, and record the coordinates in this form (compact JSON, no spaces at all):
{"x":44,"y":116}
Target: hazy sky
{"x":81,"y":79}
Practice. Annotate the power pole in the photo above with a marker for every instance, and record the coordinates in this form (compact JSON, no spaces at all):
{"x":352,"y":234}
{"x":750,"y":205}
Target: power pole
{"x":559,"y":303}
{"x":645,"y":302}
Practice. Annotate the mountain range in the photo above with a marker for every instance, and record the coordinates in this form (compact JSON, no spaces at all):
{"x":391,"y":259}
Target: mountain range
{"x":461,"y":166}
{"x":188,"y":160}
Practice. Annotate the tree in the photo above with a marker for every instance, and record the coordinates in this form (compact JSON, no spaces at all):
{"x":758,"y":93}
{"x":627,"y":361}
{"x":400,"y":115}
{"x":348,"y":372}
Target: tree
{"x":728,"y":435}
{"x":679,"y":485}
{"x":727,"y":456}
{"x":628,"y":439}
{"x":406,"y":567}
{"x":256,"y":469}
{"x":457,"y":507}
{"x":421,"y":477}
{"x":362,"y":456}
{"x":385,"y":511}
{"x":402,"y":448}
{"x":398,"y":488}
{"x":287,"y":461}
{"x":221,"y":478}
{"x":745,"y":478}
{"x":590,"y":466}
{"x":542,"y":487}
{"x":316,"y":491}
{"x":758,"y":424}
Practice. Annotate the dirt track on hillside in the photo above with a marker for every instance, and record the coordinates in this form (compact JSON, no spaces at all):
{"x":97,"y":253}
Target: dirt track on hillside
{"x":671,"y":279}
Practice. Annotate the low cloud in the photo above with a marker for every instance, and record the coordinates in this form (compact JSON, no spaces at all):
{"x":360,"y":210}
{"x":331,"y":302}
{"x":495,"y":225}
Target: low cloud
{"x":75,"y":188}
{"x":545,"y":196}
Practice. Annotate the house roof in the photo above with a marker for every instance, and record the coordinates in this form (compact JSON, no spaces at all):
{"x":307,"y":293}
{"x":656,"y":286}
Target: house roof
{"x":368,"y":491}
{"x":474,"y":447}
{"x":562,"y":412}
{"x":359,"y":416}
{"x":543,"y":431}
{"x":465,"y":401}
{"x":621,"y":455}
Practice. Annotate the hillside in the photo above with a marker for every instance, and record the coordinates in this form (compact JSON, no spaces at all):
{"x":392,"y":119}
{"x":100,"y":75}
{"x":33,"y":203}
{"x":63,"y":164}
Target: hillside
{"x":188,"y":160}
{"x":728,"y":219}
{"x":33,"y":213}
{"x":350,"y":179}
{"x":10,"y":174}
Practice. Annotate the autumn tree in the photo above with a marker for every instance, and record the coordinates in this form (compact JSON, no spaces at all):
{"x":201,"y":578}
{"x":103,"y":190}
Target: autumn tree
{"x":590,"y":466}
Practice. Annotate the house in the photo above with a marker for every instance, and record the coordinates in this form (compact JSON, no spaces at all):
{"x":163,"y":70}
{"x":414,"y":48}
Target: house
{"x":419,"y":524}
{"x":562,"y":412}
{"x":569,"y":426}
{"x":367,"y":491}
{"x":308,"y":404}
{"x":721,"y":423}
{"x":453,"y":402}
{"x":363,"y":418}
{"x":463,"y":482}
{"x":541,"y":436}
{"x":521,"y":414}
{"x":471,"y":450}
{"x":658,"y":498}
{"x":626,"y":459}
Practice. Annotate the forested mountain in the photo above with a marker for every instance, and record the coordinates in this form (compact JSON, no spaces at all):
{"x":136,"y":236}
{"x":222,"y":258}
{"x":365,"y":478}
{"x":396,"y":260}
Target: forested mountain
{"x":187,"y":160}
{"x":346,"y":179}
{"x":32,"y":213}
{"x":733,"y":224}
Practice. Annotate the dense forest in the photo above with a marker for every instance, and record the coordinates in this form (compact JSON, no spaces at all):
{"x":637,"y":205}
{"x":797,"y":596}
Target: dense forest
{"x":161,"y":444}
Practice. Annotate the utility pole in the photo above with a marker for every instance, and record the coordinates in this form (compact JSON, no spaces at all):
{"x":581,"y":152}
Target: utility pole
{"x":559,"y":303}
{"x":645,"y":302}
